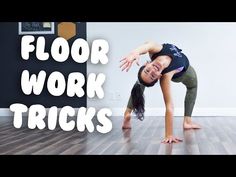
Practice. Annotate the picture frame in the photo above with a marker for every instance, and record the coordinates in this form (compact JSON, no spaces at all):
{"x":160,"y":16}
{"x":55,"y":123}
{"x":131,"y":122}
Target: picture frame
{"x":36,"y":28}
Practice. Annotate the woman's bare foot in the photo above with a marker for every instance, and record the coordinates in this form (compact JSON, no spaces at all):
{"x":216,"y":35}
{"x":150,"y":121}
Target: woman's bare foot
{"x":127,"y":119}
{"x":191,"y":125}
{"x":188,"y":124}
{"x":126,"y":124}
{"x":195,"y":126}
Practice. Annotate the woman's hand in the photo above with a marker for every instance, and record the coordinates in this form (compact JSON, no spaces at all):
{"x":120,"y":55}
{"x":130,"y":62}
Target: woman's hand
{"x":128,"y":61}
{"x":171,"y":139}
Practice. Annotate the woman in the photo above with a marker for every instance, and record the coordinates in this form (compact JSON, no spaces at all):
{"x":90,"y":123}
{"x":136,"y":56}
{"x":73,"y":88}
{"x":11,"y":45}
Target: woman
{"x":168,"y":63}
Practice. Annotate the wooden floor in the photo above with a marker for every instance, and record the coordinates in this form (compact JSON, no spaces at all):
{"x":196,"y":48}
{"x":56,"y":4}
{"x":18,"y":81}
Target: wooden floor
{"x":218,"y":136}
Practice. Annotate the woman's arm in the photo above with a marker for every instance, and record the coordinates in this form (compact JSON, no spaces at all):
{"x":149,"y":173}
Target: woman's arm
{"x":165,"y":83}
{"x":148,"y":47}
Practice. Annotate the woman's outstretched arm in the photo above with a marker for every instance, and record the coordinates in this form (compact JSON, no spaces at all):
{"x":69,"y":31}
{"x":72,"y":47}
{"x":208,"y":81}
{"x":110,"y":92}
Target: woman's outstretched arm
{"x":165,"y":83}
{"x":148,"y":47}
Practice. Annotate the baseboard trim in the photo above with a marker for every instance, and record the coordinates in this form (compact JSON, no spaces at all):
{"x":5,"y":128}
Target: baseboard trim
{"x":5,"y":112}
{"x":161,"y":112}
{"x":180,"y":112}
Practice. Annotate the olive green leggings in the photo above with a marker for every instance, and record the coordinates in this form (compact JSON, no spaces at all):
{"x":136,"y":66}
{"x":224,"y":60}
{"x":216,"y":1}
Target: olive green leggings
{"x":189,"y":79}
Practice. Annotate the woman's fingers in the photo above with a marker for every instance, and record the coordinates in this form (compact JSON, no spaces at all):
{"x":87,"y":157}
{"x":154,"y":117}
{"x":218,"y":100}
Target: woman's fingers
{"x":125,"y":66}
{"x":179,"y":139}
{"x":172,"y":140}
{"x":122,"y":59}
{"x":122,"y":64}
{"x":165,"y":140}
{"x":175,"y":140}
{"x":137,"y":60}
{"x":128,"y":67}
{"x":128,"y":61}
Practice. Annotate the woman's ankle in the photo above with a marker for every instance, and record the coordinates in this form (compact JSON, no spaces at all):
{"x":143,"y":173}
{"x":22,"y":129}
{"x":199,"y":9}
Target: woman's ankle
{"x":187,"y":120}
{"x":127,"y":114}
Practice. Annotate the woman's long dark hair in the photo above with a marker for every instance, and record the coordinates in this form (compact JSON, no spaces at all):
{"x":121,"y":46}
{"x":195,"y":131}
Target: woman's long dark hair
{"x":137,"y":95}
{"x":138,"y":101}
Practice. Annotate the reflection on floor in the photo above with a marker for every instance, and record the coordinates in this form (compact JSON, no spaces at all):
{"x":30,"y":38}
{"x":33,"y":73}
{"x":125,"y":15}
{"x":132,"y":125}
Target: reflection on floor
{"x":218,"y":136}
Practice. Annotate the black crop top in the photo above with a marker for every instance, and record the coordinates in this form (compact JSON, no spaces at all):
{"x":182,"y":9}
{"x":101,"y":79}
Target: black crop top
{"x":178,"y":59}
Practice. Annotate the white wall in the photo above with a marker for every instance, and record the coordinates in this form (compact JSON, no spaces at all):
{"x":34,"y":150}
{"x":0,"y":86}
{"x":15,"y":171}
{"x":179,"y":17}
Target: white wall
{"x":210,"y":47}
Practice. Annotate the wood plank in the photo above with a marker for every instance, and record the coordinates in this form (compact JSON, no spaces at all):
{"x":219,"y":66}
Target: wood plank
{"x":218,"y":136}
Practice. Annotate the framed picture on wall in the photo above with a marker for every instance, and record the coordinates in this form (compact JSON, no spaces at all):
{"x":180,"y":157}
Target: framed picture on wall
{"x":36,"y":28}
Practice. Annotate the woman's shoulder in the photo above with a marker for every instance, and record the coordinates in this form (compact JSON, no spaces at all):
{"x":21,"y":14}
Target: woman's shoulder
{"x":171,"y":47}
